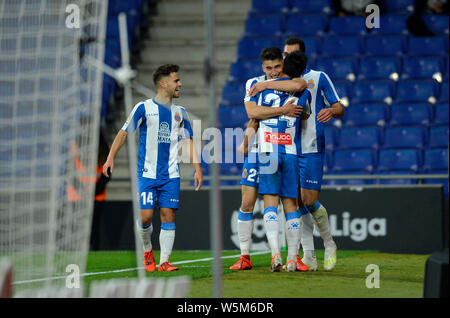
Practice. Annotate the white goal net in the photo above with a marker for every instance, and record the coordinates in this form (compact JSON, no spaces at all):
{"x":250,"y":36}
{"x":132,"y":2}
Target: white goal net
{"x":50,"y":101}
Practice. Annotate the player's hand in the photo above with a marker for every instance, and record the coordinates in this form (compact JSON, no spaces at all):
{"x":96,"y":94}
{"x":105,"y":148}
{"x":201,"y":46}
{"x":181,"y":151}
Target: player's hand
{"x":198,"y":179}
{"x":109,"y":165}
{"x":325,"y":115}
{"x":256,"y":88}
{"x":292,"y":110}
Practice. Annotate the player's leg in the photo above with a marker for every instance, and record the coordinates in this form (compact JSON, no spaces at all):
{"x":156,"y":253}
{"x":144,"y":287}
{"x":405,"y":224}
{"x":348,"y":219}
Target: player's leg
{"x":144,"y":227}
{"x":168,"y":199}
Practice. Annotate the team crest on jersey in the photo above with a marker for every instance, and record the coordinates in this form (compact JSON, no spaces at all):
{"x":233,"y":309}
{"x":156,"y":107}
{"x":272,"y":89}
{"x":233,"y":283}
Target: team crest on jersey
{"x":244,"y":174}
{"x":177,"y":117}
{"x":164,"y":133}
{"x":310,"y":84}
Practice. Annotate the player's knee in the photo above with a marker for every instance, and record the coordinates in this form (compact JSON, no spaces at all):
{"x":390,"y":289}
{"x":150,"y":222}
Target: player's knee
{"x":247,"y":206}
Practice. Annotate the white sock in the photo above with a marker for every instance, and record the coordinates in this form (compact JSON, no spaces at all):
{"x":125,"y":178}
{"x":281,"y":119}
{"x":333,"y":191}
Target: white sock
{"x":320,"y":219}
{"x":292,"y":229}
{"x":245,"y":231}
{"x":166,"y":240}
{"x":271,"y":224}
{"x":145,"y":233}
{"x":307,"y":238}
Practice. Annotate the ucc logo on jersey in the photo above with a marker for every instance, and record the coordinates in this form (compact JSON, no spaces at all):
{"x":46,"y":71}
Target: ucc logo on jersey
{"x":278,"y":138}
{"x":310,"y":84}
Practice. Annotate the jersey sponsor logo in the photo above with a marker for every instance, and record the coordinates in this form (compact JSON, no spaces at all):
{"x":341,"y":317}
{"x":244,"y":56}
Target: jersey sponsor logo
{"x":310,"y":84}
{"x":164,"y":133}
{"x":278,"y":138}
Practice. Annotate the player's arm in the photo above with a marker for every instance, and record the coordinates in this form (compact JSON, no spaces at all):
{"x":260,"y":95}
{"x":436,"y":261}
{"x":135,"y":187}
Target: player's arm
{"x":117,"y":144}
{"x":193,"y":156}
{"x":336,"y":110}
{"x":293,"y":85}
{"x":250,"y":132}
{"x":255,"y":111}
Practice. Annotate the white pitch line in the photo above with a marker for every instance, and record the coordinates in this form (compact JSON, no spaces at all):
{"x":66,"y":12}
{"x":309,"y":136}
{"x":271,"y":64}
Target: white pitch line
{"x":131,"y":269}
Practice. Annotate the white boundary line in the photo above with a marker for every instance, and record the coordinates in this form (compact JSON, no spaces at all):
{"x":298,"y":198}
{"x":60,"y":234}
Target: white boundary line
{"x":131,"y":269}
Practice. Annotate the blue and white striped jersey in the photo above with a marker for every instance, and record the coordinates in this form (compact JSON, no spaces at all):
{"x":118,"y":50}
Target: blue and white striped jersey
{"x":160,"y":130}
{"x":282,"y":133}
{"x":250,"y":82}
{"x":323,"y":94}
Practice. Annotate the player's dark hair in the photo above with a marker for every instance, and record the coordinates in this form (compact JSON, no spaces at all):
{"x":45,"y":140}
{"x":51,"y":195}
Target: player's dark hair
{"x":294,"y":40}
{"x":295,"y":64}
{"x":271,"y":53}
{"x":163,"y":71}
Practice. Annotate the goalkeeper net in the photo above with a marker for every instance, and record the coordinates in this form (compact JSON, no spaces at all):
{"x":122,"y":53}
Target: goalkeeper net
{"x":50,"y":101}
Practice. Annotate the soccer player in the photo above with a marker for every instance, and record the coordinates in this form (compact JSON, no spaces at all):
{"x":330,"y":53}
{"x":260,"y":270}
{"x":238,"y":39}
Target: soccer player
{"x":162,"y":124}
{"x":272,"y":64}
{"x":325,"y":106}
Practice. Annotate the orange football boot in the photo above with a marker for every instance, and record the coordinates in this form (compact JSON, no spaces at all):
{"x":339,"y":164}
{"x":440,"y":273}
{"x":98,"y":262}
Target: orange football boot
{"x":301,"y":267}
{"x":167,"y":267}
{"x":149,"y":261}
{"x":243,"y":263}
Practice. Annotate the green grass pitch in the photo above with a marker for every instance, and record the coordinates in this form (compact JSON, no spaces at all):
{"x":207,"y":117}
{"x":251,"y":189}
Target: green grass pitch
{"x":401,"y":275}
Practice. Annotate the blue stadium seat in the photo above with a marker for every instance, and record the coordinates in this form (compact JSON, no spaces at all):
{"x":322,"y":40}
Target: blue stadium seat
{"x":336,"y":68}
{"x":371,"y":91}
{"x":312,"y":46}
{"x":366,"y":115}
{"x":435,"y":159}
{"x":398,"y":159}
{"x":392,"y":24}
{"x":415,"y":91}
{"x":405,"y":137}
{"x":426,"y":45}
{"x":359,"y":137}
{"x":378,"y":67}
{"x":353,"y":160}
{"x":407,"y":114}
{"x":316,"y":6}
{"x":242,"y":70}
{"x":443,"y":97}
{"x":270,"y":6}
{"x":398,"y":6}
{"x":264,"y":25}
{"x":334,"y":46}
{"x":342,"y":88}
{"x":439,"y":137}
{"x":331,"y":137}
{"x":437,"y":23}
{"x":397,"y":181}
{"x":315,"y":24}
{"x":249,"y":47}
{"x":232,"y":116}
{"x":422,"y":67}
{"x":351,"y":25}
{"x":233,"y":93}
{"x":392,"y":45}
{"x":441,"y":114}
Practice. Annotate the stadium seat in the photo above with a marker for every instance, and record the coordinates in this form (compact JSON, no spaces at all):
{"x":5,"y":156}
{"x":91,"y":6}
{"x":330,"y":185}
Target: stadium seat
{"x":337,"y":68}
{"x":422,"y":67}
{"x":264,"y":25}
{"x":411,"y":114}
{"x":426,"y":46}
{"x":392,"y":45}
{"x":359,"y":137}
{"x":439,"y":136}
{"x":353,"y":160}
{"x":270,"y":6}
{"x":351,"y":25}
{"x":232,"y":116}
{"x":311,"y":24}
{"x":316,"y":6}
{"x":342,"y":88}
{"x":398,"y":159}
{"x":441,"y":114}
{"x":398,"y":6}
{"x":366,"y":115}
{"x":331,"y":137}
{"x":437,"y":23}
{"x":405,"y":137}
{"x":378,"y":68}
{"x":391,"y":24}
{"x":249,"y":47}
{"x":242,"y":70}
{"x":415,"y":91}
{"x":233,"y":93}
{"x":372,"y":92}
{"x":435,"y":159}
{"x":443,"y":97}
{"x":312,"y":45}
{"x":335,"y":46}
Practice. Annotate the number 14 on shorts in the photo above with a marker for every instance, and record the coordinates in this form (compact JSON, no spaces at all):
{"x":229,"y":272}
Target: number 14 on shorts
{"x":147,"y":197}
